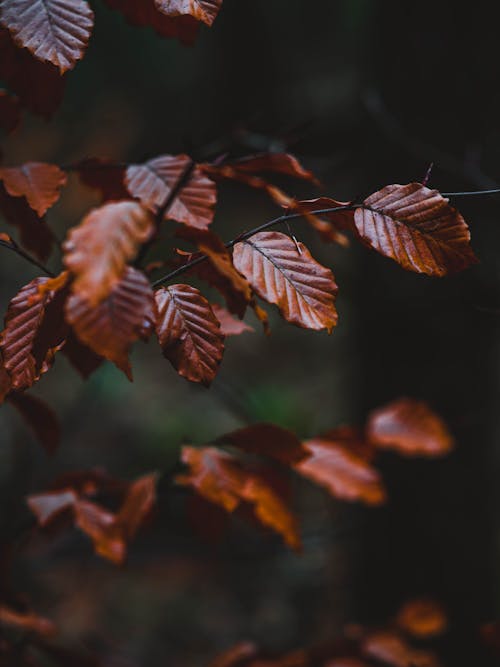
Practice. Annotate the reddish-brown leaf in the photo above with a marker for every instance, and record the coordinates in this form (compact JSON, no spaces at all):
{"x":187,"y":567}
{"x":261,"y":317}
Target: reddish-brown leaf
{"x":27,"y":621}
{"x":40,"y":418}
{"x":110,"y":328}
{"x":5,"y":381}
{"x":221,"y":479}
{"x":229,"y":325}
{"x":268,"y":440}
{"x":55,"y":31}
{"x":38,"y":85}
{"x":10,"y":111}
{"x":410,"y":428}
{"x":389,"y":648}
{"x":279,"y":163}
{"x":104,"y":175}
{"x":23,"y":321}
{"x":97,"y":251}
{"x":201,"y":10}
{"x":138,"y":503}
{"x":47,"y":506}
{"x":335,"y":462}
{"x":81,"y":357}
{"x":288,"y":276}
{"x":38,"y":182}
{"x":34,"y":232}
{"x":422,"y":618}
{"x":153,"y":182}
{"x":328,"y":225}
{"x":417,"y":228}
{"x":219,"y":271}
{"x":189,"y":333}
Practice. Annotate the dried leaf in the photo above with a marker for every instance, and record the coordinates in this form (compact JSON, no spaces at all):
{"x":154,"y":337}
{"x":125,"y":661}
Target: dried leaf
{"x":328,"y":225}
{"x":229,"y":325}
{"x":10,"y":111}
{"x":268,"y":440}
{"x":110,"y":328}
{"x":221,"y":479}
{"x":189,"y":333}
{"x":335,"y":462}
{"x":104,"y":175}
{"x":27,"y":621}
{"x":153,"y":182}
{"x":279,"y":163}
{"x":81,"y":357}
{"x":97,"y":251}
{"x":201,"y":10}
{"x":303,"y":289}
{"x":390,"y":649}
{"x":417,"y":228}
{"x":5,"y":381}
{"x":55,"y":31}
{"x":410,"y":428}
{"x":40,"y":418}
{"x":38,"y":182}
{"x":422,"y":618}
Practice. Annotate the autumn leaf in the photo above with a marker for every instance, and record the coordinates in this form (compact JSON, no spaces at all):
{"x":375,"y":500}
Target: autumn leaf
{"x":10,"y":111}
{"x":229,"y":325}
{"x":110,"y":328}
{"x":410,"y":428}
{"x":55,"y":31}
{"x":236,"y":656}
{"x":288,"y":276}
{"x":23,"y":321}
{"x":97,"y":251}
{"x":336,"y":463}
{"x":279,"y":163}
{"x":189,"y":333}
{"x":268,"y":440}
{"x":27,"y":622}
{"x":176,"y":178}
{"x":40,"y":418}
{"x":221,"y":479}
{"x":417,"y":228}
{"x":422,"y":618}
{"x":38,"y":182}
{"x":106,"y":176}
{"x":80,"y":356}
{"x":201,"y":10}
{"x":389,"y":648}
{"x":330,"y":226}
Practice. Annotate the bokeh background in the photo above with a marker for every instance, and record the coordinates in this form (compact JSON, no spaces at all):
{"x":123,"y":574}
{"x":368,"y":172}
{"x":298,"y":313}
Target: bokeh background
{"x":365,"y":93}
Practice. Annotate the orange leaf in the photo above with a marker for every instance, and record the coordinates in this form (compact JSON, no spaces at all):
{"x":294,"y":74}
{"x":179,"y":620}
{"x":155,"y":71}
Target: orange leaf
{"x":55,"y":31}
{"x":417,"y":228}
{"x":40,"y":418}
{"x":97,"y":251}
{"x":38,"y":182}
{"x":229,"y":325}
{"x":410,"y":428}
{"x":335,"y":463}
{"x":390,"y":649}
{"x":422,"y":618}
{"x":221,"y":479}
{"x":189,"y":333}
{"x":289,"y":277}
{"x":154,"y":181}
{"x":110,"y":328}
{"x":268,"y":440}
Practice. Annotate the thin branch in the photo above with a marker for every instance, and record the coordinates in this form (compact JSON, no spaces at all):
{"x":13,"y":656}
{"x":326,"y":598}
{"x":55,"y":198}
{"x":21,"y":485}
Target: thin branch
{"x":12,"y":245}
{"x":471,"y":193}
{"x":246,"y":235}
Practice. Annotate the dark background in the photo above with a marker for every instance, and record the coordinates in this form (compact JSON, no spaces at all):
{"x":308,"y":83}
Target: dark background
{"x":366,"y":93}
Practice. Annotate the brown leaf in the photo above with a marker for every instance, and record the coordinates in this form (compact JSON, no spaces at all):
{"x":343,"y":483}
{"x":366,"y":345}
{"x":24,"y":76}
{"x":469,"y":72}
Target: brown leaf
{"x":10,"y":111}
{"x":110,"y":328}
{"x":104,"y":175}
{"x":390,"y":649}
{"x":328,"y":225}
{"x":201,"y":10}
{"x":27,"y":621}
{"x":23,"y":321}
{"x":153,"y":182}
{"x":189,"y":333}
{"x":268,"y":440}
{"x":55,"y":31}
{"x":38,"y":85}
{"x":138,"y":503}
{"x":279,"y":163}
{"x":221,"y":479}
{"x":229,"y":325}
{"x":48,"y":506}
{"x":236,"y":656}
{"x":303,"y":289}
{"x":422,"y":618}
{"x":40,"y":418}
{"x":417,"y":228}
{"x":410,"y":428}
{"x":38,"y":182}
{"x":335,"y":462}
{"x":81,"y":357}
{"x":97,"y":251}
{"x":219,"y":271}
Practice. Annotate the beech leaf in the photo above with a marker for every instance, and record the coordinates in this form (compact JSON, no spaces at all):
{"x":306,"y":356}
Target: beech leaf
{"x":268,"y":440}
{"x":38,"y":182}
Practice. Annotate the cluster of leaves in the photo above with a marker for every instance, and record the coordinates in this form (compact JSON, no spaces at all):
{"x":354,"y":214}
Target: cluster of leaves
{"x":400,"y":643}
{"x":103,"y":299}
{"x":41,"y":40}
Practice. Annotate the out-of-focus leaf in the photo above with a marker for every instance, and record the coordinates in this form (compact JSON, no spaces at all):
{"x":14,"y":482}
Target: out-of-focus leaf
{"x":268,"y":440}
{"x":40,"y":418}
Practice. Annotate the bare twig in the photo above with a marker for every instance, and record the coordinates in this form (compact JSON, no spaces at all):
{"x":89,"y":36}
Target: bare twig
{"x":12,"y":245}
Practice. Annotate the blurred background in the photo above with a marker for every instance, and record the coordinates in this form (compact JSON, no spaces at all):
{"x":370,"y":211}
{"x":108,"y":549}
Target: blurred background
{"x":365,"y":93}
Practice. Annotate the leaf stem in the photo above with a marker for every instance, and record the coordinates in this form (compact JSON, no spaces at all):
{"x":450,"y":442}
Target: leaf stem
{"x":12,"y":245}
